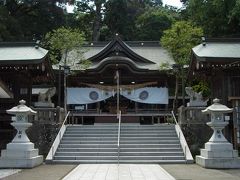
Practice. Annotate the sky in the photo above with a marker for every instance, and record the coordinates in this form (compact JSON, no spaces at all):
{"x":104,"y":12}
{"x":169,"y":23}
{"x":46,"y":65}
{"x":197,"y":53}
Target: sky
{"x":175,"y":3}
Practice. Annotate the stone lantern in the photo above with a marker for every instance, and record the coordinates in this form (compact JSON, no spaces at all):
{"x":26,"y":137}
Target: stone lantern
{"x":218,"y":152}
{"x":20,"y":153}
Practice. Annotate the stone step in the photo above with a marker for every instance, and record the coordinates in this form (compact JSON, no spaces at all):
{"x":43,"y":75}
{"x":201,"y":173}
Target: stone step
{"x":122,"y":126}
{"x":87,"y":142}
{"x":91,"y":132}
{"x":99,"y":145}
{"x":116,"y":138}
{"x":121,"y":157}
{"x":86,"y":157}
{"x":137,"y":149}
{"x":116,"y":130}
{"x":121,"y":154}
{"x":114,"y":149}
{"x":120,"y":161}
{"x":79,"y":134}
{"x":138,"y":144}
{"x":88,"y":145}
{"x":122,"y":135}
{"x":122,"y":142}
{"x":90,"y":138}
{"x":152,"y":157}
{"x":122,"y":132}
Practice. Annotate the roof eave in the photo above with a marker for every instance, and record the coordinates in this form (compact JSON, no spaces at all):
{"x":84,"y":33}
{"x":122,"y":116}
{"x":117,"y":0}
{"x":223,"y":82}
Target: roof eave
{"x":28,"y":61}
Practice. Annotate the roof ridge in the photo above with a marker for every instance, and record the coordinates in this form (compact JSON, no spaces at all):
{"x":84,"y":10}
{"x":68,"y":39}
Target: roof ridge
{"x":12,"y":44}
{"x":129,"y":43}
{"x":227,"y":40}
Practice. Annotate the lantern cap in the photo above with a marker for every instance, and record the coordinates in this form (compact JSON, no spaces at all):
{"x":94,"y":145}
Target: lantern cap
{"x":217,"y":107}
{"x":21,"y":108}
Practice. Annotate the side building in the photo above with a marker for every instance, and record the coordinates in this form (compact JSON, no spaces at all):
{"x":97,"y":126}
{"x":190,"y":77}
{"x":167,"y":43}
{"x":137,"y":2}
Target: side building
{"x":22,"y":66}
{"x":217,"y":61}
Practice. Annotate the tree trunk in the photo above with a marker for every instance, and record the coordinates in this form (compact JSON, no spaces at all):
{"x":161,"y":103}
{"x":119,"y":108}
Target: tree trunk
{"x":97,"y":20}
{"x":175,"y":100}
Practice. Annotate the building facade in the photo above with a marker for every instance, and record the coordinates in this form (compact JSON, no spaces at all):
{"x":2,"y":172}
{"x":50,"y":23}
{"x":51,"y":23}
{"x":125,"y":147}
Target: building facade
{"x":125,"y":76}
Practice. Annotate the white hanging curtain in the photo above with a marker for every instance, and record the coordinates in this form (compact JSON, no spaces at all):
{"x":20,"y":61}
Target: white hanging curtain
{"x":148,"y":95}
{"x":87,"y":95}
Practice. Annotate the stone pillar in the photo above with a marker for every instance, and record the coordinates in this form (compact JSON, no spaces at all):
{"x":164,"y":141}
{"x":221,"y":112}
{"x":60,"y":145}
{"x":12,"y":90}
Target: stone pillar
{"x":218,"y":152}
{"x":20,"y":153}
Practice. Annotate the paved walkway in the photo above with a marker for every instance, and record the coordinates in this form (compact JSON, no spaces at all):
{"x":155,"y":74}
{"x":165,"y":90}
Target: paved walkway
{"x":121,"y":172}
{"x":178,"y":171}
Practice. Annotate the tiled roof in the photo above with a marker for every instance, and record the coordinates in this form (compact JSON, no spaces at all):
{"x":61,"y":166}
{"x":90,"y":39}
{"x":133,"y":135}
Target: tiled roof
{"x":21,"y":53}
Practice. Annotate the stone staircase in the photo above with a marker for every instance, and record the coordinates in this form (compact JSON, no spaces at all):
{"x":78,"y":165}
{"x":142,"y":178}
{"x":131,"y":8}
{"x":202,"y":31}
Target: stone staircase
{"x":138,"y":144}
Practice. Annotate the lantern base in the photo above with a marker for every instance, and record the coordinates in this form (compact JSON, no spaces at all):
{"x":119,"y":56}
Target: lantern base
{"x":8,"y":162}
{"x":20,"y":155}
{"x":218,"y":163}
{"x":218,"y":155}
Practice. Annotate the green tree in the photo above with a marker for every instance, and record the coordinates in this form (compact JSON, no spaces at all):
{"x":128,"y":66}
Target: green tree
{"x":68,"y":43}
{"x":216,"y":17}
{"x":61,"y":42}
{"x":118,"y":19}
{"x":25,"y":19}
{"x":93,"y":9}
{"x":121,"y":16}
{"x":179,"y":40}
{"x":152,"y":23}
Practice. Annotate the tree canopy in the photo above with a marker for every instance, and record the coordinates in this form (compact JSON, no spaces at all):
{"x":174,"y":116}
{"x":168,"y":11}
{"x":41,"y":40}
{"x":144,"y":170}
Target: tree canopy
{"x":27,"y":20}
{"x":180,"y":39}
{"x":63,"y":40}
{"x":99,"y":20}
{"x":217,"y":17}
{"x":152,"y":23}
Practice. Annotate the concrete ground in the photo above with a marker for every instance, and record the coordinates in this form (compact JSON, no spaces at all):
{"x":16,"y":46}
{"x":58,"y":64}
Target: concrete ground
{"x":193,"y":171}
{"x":178,"y":171}
{"x":42,"y":172}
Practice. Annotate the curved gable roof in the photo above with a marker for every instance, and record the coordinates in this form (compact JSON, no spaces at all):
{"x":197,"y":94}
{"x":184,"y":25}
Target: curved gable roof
{"x":148,"y":55}
{"x":118,"y":47}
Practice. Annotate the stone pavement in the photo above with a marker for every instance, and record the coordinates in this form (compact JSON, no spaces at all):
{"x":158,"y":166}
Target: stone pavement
{"x":178,"y":171}
{"x":121,"y":172}
{"x":8,"y":172}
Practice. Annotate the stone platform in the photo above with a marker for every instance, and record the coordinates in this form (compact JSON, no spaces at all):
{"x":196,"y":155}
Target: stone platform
{"x":20,"y":155}
{"x":219,"y":156}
